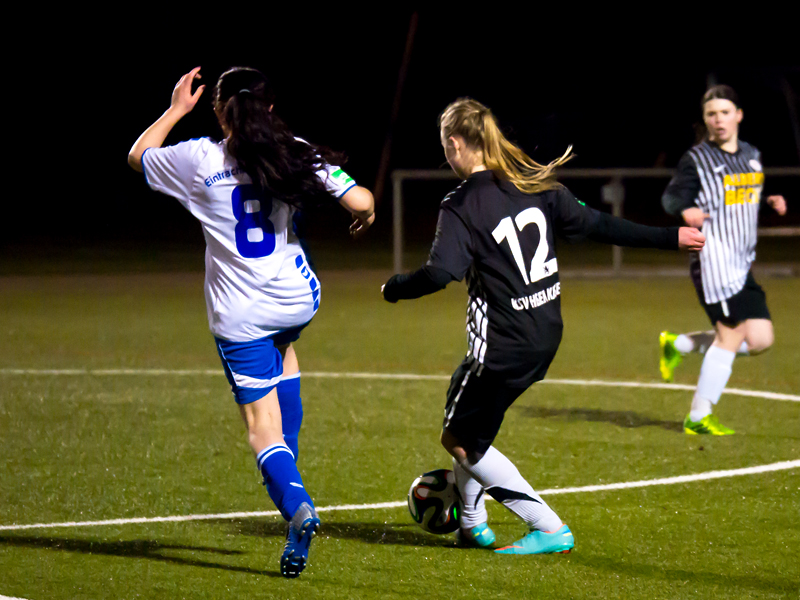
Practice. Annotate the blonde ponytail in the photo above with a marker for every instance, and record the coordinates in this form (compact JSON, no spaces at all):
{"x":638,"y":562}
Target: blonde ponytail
{"x":476,"y":124}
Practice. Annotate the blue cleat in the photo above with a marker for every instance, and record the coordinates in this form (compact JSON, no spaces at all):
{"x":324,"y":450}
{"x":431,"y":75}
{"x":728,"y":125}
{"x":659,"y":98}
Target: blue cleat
{"x":542,"y":542}
{"x":302,"y":529}
{"x":479,"y":536}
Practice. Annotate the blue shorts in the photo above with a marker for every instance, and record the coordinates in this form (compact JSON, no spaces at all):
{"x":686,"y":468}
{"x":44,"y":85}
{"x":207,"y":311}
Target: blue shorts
{"x":254,"y":368}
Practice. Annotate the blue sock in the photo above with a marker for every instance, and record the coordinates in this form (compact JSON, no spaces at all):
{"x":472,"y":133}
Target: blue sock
{"x":283,"y":481}
{"x":291,"y":411}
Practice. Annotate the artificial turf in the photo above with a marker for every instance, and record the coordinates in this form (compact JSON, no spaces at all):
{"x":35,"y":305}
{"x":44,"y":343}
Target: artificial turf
{"x":91,"y":446}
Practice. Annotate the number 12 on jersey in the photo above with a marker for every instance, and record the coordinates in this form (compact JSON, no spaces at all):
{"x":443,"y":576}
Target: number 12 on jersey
{"x":540,"y":266}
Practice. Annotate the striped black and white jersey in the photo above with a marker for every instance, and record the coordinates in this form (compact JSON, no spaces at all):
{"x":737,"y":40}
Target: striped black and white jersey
{"x":503,"y":242}
{"x":728,"y":187}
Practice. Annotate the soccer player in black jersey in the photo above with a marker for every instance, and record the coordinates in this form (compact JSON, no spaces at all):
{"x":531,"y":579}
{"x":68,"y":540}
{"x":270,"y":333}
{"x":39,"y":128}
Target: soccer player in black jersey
{"x":718,"y":188}
{"x":497,"y":230}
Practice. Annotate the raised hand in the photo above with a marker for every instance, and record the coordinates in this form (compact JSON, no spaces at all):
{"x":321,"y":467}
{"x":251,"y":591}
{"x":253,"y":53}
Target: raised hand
{"x":360,"y":226}
{"x":691,"y":239}
{"x":183,"y":100}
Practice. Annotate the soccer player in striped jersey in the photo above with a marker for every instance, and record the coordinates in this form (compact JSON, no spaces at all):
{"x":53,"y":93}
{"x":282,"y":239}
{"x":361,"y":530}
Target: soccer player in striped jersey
{"x":718,"y":188}
{"x":260,"y":289}
{"x":498,"y":229}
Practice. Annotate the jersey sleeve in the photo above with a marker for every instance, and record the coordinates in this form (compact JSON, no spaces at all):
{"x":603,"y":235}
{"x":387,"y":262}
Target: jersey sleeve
{"x":572,"y":219}
{"x":336,"y":181}
{"x":171,"y":170}
{"x":683,"y":188}
{"x":452,"y":246}
{"x":423,"y":281}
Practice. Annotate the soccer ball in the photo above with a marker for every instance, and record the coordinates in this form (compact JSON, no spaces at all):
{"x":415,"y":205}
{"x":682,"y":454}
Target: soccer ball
{"x":433,"y":501}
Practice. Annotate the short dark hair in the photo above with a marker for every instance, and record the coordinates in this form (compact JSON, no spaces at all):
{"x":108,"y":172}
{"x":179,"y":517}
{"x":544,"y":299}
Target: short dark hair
{"x":721,"y":92}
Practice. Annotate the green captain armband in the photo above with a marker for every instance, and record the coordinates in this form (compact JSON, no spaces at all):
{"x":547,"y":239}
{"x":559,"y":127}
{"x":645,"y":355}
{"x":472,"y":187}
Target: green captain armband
{"x":342,"y":177}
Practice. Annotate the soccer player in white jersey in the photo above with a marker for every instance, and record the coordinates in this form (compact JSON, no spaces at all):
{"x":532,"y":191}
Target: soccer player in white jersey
{"x":718,"y":188}
{"x":260,"y":289}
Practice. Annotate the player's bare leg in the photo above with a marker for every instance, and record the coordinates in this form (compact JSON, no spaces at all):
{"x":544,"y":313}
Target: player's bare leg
{"x":675,"y":346}
{"x":696,"y":341}
{"x":759,"y":335}
{"x":263,"y":421}
{"x":276,"y":461}
{"x":290,"y":364}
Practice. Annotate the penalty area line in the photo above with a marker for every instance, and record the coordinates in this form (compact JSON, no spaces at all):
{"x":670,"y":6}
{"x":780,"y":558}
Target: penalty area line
{"x":779,"y":466}
{"x":394,"y":377}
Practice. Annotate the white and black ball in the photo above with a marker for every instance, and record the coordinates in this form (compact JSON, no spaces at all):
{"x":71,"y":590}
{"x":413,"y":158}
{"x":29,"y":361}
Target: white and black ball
{"x":433,"y":501}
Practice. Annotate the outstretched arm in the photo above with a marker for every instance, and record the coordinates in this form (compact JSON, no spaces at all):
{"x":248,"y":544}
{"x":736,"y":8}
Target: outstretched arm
{"x":621,"y":232}
{"x":449,"y":260}
{"x":421,"y":282}
{"x":183,"y":101}
{"x":574,"y":221}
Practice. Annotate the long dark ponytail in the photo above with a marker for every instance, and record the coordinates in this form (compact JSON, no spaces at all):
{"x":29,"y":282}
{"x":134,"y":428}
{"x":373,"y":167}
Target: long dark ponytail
{"x":262,"y":144}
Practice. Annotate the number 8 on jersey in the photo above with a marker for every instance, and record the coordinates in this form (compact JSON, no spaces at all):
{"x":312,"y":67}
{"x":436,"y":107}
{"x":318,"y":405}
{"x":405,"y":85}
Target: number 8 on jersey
{"x":255,"y":233}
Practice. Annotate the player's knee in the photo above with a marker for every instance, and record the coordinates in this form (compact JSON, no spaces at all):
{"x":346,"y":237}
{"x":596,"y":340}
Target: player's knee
{"x":264,"y":431}
{"x":760,"y":337}
{"x":762,"y":342}
{"x":452,"y":445}
{"x":447,"y":440}
{"x":473,"y":457}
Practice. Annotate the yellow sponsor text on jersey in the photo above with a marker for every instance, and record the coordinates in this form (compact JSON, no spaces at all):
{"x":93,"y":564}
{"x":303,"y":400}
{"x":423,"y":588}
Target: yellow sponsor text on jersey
{"x":741,"y":188}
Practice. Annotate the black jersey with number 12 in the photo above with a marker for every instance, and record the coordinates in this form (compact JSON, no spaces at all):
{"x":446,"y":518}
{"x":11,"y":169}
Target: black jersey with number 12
{"x":503,"y":241}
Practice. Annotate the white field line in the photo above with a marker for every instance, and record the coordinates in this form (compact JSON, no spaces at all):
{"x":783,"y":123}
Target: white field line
{"x":779,"y":466}
{"x":10,"y":598}
{"x":395,"y":376}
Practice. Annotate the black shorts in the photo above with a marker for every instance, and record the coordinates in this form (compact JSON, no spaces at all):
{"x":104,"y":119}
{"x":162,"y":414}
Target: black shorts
{"x":476,"y":404}
{"x":749,"y":303}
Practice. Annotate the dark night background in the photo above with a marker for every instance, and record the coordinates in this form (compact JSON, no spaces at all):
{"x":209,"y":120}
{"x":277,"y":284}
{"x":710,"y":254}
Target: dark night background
{"x":619,"y":103}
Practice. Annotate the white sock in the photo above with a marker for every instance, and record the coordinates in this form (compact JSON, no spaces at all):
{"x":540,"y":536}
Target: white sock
{"x":700,"y":408}
{"x":714,"y":374}
{"x":503,"y":482}
{"x":700,"y":342}
{"x":473,"y":507}
{"x":684,"y":344}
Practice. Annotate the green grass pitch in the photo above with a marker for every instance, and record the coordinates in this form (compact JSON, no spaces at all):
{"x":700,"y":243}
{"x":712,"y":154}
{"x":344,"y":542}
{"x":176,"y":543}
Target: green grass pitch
{"x":86,"y":447}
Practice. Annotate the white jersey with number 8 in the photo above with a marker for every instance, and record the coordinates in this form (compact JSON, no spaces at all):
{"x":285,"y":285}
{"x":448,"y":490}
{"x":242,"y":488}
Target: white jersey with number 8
{"x":257,"y":278}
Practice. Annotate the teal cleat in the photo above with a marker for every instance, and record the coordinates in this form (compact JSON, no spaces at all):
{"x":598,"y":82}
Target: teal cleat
{"x":479,"y":536}
{"x":302,"y":529}
{"x":542,"y":542}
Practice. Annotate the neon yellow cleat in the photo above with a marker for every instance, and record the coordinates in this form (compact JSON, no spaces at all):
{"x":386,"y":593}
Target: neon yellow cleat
{"x":708,"y":424}
{"x":670,"y":356}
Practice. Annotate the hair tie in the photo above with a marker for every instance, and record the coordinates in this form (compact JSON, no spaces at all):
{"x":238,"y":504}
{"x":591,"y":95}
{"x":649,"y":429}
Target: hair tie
{"x":245,"y":91}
